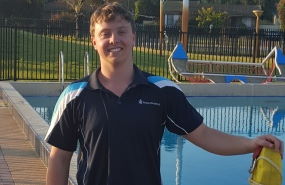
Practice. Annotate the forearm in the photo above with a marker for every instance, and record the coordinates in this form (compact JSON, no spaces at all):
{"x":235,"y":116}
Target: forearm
{"x":225,"y":144}
{"x":220,"y":143}
{"x":58,"y":169}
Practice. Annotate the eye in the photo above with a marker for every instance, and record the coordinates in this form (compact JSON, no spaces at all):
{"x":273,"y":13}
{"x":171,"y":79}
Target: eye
{"x":104,"y":34}
{"x":122,"y":32}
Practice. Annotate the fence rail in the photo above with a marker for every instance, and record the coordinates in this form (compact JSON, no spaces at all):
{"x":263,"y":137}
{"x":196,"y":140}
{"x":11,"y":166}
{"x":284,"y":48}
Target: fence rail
{"x":31,"y":52}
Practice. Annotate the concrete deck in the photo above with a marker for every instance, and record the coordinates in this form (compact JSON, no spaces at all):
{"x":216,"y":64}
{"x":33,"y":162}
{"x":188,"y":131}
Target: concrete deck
{"x":30,"y":123}
{"x":19,"y":163}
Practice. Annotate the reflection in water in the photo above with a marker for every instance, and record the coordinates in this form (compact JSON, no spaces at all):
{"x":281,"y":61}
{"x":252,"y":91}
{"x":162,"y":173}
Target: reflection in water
{"x":242,"y":115}
{"x":169,"y":141}
{"x":247,"y":120}
{"x":44,"y":105}
{"x":245,"y":115}
{"x":179,"y":161}
{"x":242,"y":118}
{"x":272,"y":116}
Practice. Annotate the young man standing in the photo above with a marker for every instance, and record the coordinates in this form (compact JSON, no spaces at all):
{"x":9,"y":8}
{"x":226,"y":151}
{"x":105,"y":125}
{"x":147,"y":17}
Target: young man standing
{"x":118,"y":115}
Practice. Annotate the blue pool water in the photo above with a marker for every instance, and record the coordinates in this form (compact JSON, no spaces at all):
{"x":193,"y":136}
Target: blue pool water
{"x":182,"y":163}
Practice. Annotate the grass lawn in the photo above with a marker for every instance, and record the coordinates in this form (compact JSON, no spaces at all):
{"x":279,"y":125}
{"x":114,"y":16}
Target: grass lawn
{"x":38,"y":56}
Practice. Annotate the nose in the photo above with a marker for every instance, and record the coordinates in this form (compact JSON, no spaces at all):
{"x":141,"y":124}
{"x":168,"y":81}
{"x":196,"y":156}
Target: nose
{"x":114,"y":38}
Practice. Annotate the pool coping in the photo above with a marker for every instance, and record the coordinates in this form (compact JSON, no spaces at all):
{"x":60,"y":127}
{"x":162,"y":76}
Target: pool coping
{"x":35,"y":127}
{"x":32,"y":124}
{"x":232,"y":89}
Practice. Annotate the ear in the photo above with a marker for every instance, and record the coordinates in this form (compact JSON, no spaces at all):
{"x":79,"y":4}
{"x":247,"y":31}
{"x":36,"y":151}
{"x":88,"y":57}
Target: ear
{"x":93,"y":43}
{"x":134,"y":39}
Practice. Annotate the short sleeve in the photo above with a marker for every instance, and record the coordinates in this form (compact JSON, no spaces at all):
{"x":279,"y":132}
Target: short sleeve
{"x":63,"y":133}
{"x":182,"y":117}
{"x":63,"y":130}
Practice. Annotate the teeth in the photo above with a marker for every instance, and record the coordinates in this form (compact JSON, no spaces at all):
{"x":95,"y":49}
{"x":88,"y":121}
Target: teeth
{"x":115,"y":49}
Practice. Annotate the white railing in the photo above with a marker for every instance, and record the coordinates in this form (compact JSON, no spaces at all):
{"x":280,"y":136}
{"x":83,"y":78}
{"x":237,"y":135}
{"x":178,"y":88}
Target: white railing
{"x":61,"y":68}
{"x":86,"y":64}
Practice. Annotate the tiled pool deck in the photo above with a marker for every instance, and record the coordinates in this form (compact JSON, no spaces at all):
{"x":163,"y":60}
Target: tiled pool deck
{"x":19,"y":163}
{"x":24,"y":154}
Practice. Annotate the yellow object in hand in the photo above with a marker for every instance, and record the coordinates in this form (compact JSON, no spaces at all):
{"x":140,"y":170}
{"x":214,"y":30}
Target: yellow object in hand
{"x":266,"y":168}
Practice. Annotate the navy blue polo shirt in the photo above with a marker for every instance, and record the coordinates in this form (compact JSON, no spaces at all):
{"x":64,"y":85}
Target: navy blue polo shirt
{"x":119,"y":137}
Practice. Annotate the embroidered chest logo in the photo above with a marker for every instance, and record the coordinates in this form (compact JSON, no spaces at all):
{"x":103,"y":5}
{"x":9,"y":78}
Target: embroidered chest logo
{"x":148,"y":103}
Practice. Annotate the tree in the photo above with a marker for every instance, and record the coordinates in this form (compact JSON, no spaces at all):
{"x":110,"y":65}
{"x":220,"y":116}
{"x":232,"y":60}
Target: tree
{"x":140,"y":8}
{"x":269,"y":8}
{"x":76,"y":8}
{"x":21,"y":8}
{"x":281,"y":13}
{"x":80,"y":8}
{"x":207,"y":17}
{"x":146,"y":9}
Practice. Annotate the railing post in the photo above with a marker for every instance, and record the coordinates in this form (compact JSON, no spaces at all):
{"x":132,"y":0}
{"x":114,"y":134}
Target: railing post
{"x":15,"y":52}
{"x":86,"y":64}
{"x":61,"y":67}
{"x":254,"y":47}
{"x":161,"y":25}
{"x":1,"y":52}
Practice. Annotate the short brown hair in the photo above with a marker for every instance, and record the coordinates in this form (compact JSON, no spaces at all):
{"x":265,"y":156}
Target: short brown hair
{"x":108,"y":12}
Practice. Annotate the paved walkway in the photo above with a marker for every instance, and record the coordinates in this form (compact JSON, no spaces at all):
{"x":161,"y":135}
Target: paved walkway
{"x":19,"y":163}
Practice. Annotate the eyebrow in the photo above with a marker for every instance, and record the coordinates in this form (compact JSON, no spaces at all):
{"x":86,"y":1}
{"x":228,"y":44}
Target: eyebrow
{"x":108,"y":29}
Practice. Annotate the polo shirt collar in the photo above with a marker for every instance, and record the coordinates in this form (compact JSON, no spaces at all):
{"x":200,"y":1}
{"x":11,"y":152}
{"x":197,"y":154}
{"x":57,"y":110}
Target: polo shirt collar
{"x":138,"y":79}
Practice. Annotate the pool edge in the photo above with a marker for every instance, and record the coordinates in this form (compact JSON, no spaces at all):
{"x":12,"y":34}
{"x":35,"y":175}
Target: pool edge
{"x":30,"y":122}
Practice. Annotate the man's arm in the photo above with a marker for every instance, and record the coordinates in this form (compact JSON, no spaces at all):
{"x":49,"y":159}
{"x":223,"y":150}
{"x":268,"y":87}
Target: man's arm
{"x":224,"y":144}
{"x":58,"y":166}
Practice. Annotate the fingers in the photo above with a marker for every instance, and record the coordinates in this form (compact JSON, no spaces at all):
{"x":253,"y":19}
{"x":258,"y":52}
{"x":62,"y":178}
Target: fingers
{"x":272,"y":142}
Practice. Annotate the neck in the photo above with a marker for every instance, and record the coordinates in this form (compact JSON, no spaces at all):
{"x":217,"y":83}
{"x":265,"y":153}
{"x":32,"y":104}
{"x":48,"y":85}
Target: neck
{"x":116,"y":78}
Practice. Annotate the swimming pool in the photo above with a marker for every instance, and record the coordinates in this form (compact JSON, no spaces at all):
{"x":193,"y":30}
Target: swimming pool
{"x":183,"y":163}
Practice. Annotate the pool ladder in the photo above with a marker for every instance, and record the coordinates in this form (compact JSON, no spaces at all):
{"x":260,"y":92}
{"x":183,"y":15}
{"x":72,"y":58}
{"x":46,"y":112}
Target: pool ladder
{"x":86,"y":64}
{"x":61,"y":66}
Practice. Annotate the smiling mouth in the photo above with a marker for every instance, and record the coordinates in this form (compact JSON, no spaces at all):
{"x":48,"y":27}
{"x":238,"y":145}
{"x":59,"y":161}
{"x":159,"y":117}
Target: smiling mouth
{"x":114,"y":49}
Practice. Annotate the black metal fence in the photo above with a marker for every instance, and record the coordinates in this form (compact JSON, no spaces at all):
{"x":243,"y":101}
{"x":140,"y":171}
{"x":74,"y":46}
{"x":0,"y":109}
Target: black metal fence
{"x":31,"y":51}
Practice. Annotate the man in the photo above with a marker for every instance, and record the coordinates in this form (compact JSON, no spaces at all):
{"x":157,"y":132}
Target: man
{"x":118,"y":114}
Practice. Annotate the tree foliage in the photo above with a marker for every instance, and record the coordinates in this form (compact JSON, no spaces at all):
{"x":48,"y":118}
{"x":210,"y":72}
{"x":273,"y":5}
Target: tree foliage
{"x":76,"y":7}
{"x":268,"y":6}
{"x":281,"y":13}
{"x":243,"y":2}
{"x":145,"y":9}
{"x":21,"y":8}
{"x":207,"y":17}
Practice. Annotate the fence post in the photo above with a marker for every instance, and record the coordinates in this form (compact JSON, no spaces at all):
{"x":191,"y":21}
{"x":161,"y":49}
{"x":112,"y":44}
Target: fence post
{"x":1,"y":51}
{"x":184,"y":24}
{"x":15,"y":52}
{"x":161,"y":25}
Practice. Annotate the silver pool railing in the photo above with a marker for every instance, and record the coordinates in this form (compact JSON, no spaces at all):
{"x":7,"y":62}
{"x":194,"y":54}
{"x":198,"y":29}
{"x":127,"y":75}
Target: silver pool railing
{"x":61,"y":67}
{"x":86,"y":64}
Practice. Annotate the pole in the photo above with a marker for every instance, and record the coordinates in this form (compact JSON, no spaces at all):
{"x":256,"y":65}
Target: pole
{"x":257,"y":13}
{"x":161,"y":25}
{"x":15,"y":53}
{"x":185,"y":19}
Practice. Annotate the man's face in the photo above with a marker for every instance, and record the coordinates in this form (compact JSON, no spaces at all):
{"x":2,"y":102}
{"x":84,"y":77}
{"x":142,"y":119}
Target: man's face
{"x":114,"y":41}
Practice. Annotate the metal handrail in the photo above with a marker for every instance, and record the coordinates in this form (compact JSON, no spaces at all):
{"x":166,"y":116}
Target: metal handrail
{"x":86,"y":64}
{"x":61,"y":67}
